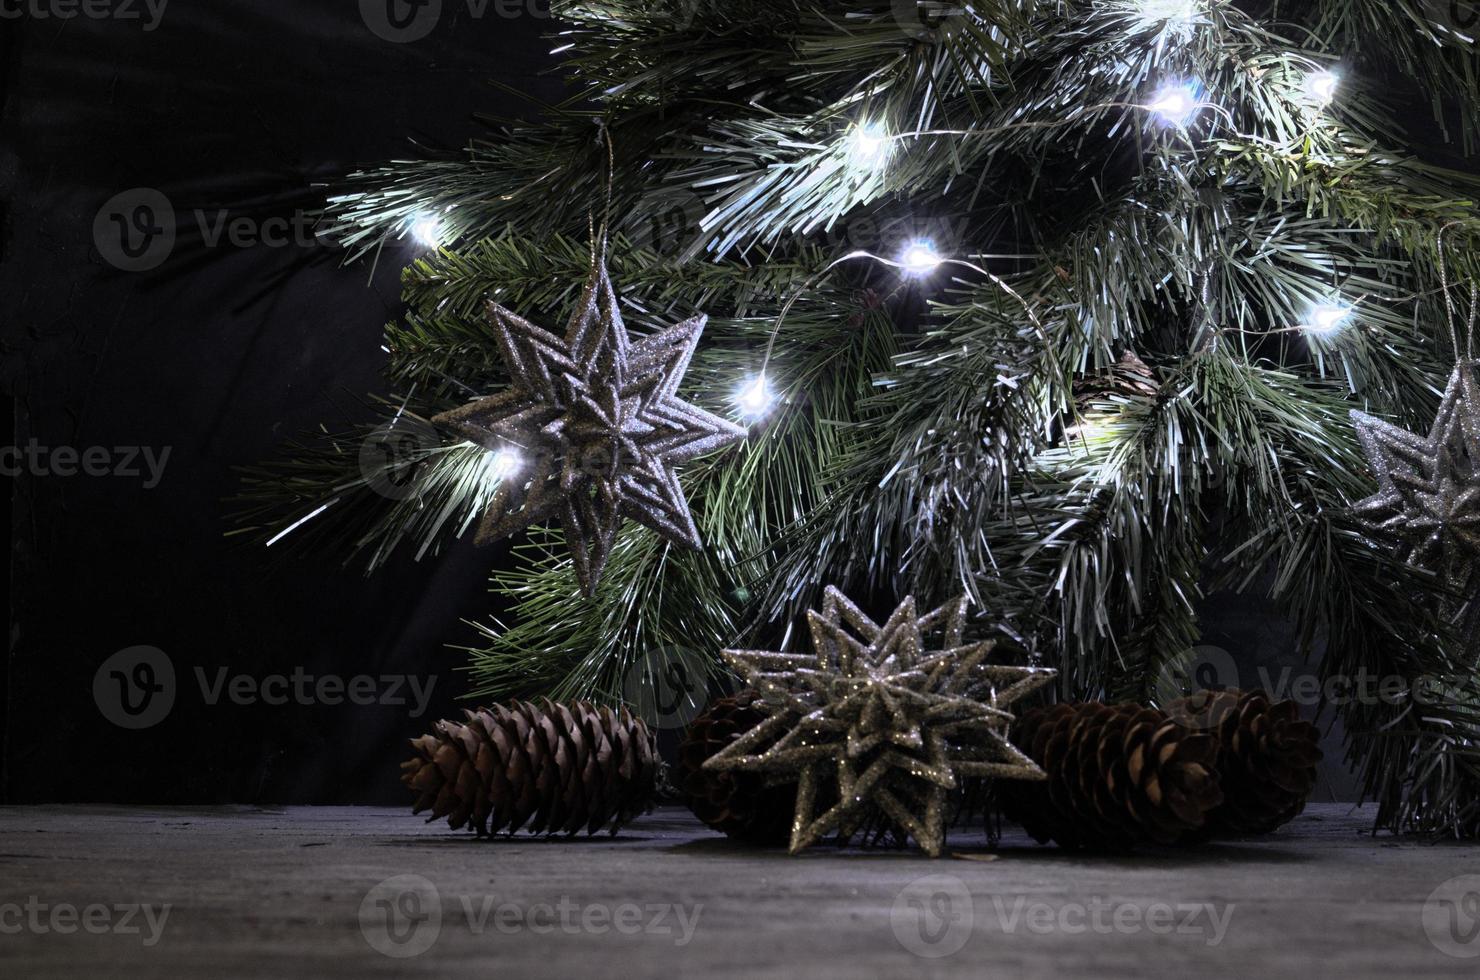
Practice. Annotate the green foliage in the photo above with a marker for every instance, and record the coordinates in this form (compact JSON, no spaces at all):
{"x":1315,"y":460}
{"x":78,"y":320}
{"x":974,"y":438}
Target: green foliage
{"x":977,"y":429}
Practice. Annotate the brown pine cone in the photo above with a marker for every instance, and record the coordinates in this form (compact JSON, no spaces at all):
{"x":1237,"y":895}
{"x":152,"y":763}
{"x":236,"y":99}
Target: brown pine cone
{"x":1117,"y":776}
{"x":1128,"y":379}
{"x":547,"y":768}
{"x":1266,"y":758}
{"x":738,"y":804}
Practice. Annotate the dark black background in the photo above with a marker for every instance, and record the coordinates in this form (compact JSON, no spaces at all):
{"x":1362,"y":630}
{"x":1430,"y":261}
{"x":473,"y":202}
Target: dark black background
{"x":220,"y":354}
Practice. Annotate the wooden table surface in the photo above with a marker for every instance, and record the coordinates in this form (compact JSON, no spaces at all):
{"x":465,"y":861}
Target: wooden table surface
{"x":357,"y":892}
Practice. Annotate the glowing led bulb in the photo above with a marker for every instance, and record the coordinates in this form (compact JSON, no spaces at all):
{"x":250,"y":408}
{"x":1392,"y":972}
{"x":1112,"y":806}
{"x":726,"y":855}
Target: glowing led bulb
{"x":427,"y":229}
{"x":1321,"y":86}
{"x":1176,"y":104}
{"x":920,"y":259}
{"x":868,"y":145}
{"x":1178,"y":12}
{"x":1327,"y":318}
{"x":755,"y":398}
{"x":505,"y":463}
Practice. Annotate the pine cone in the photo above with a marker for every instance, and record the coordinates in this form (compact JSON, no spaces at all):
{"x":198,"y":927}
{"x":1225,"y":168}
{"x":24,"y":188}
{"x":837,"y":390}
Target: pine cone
{"x":738,"y":804}
{"x":1117,"y":776}
{"x":553,"y":767}
{"x":1128,"y":379}
{"x":1266,"y":758}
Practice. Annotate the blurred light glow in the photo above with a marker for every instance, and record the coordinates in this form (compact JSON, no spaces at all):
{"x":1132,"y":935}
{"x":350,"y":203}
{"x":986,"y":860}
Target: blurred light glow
{"x":1327,"y":318}
{"x":1175,"y":12}
{"x":868,"y":146}
{"x":505,"y":463}
{"x":427,"y":229}
{"x":755,"y":398}
{"x":920,"y":258}
{"x":1322,"y":85}
{"x":1176,"y":104}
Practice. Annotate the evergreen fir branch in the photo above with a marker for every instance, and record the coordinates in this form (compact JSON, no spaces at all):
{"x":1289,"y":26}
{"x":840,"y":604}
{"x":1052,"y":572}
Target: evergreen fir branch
{"x":969,"y":442}
{"x":655,"y":600}
{"x":343,"y":493}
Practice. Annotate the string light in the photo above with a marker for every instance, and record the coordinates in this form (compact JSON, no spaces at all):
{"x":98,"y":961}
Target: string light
{"x":755,"y":398}
{"x":427,"y":229}
{"x":920,"y":259}
{"x":505,"y":463}
{"x":1325,"y":319}
{"x":1321,"y":86}
{"x":1179,"y":13}
{"x":868,"y":145}
{"x":1176,"y":104}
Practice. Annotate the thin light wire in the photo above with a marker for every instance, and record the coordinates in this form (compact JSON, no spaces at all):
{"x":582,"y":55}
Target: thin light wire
{"x":864,"y":254}
{"x":1449,"y":306}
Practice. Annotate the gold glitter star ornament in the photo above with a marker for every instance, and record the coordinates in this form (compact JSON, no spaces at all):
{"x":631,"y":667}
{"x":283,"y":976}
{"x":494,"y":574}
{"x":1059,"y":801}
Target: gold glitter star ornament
{"x":592,"y":428}
{"x":895,"y":724}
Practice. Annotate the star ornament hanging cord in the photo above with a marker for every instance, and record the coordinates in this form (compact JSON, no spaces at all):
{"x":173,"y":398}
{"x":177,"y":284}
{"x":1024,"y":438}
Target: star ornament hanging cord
{"x":595,"y":426}
{"x":895,"y":724}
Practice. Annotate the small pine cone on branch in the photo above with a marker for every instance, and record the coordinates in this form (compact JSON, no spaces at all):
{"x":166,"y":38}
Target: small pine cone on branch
{"x":1266,"y":758}
{"x":1117,"y":776}
{"x":741,"y":805}
{"x":547,"y":768}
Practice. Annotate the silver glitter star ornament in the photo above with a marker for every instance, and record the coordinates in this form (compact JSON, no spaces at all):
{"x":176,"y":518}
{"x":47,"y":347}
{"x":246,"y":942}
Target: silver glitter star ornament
{"x":1428,"y":498}
{"x":597,"y":427}
{"x":896,"y":725}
